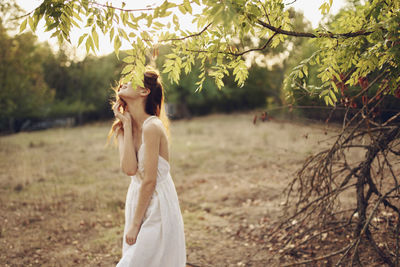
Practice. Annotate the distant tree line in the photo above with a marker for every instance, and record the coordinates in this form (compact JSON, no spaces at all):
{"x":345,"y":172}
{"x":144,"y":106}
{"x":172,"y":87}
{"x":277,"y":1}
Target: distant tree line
{"x":37,"y":84}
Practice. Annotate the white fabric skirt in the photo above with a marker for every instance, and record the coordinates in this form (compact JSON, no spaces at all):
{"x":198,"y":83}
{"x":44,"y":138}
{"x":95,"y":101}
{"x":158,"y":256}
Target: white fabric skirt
{"x":161,"y":239}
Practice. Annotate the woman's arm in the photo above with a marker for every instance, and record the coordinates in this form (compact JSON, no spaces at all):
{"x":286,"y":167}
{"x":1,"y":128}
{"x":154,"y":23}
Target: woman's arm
{"x":127,"y":155}
{"x":152,"y":137}
{"x":128,"y":161}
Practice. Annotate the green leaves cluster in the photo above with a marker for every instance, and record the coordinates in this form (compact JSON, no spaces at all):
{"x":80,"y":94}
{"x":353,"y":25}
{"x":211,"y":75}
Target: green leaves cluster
{"x":356,"y":57}
{"x":325,"y":7}
{"x":215,"y":47}
{"x":223,"y":26}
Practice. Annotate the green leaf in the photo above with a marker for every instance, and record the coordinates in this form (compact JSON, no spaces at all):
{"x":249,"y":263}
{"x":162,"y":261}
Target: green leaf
{"x":324,"y":92}
{"x":76,"y":15}
{"x":200,"y":83}
{"x":182,"y":9}
{"x":333,"y":96}
{"x":305,"y":70}
{"x":90,"y":21}
{"x":51,"y":26}
{"x":95,"y":38}
{"x":75,"y":23}
{"x":124,"y":17}
{"x":328,"y":100}
{"x":31,"y":23}
{"x":123,"y":34}
{"x":131,"y":25}
{"x":91,"y":44}
{"x":149,"y":20}
{"x":88,"y":44}
{"x":23,"y":25}
{"x":81,"y":39}
{"x":158,"y":24}
{"x":187,"y":6}
{"x":127,"y":78}
{"x":129,"y":59}
{"x":175,"y":20}
{"x":240,"y":72}
{"x":324,"y":8}
{"x":127,"y":68}
{"x":111,"y":34}
{"x":117,"y":45}
{"x":334,"y":87}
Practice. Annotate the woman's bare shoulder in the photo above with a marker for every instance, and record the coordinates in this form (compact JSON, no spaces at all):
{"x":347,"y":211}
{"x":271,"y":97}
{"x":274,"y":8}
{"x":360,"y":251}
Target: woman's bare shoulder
{"x":153,"y":128}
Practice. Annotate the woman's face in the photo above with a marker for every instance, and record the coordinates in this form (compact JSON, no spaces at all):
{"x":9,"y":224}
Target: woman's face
{"x":126,"y":91}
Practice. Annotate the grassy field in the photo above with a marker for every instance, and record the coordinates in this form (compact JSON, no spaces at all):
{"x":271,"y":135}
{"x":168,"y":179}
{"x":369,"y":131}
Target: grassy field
{"x":62,"y":194}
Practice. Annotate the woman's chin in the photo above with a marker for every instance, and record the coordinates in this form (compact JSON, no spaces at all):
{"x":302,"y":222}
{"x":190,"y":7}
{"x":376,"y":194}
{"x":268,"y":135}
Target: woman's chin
{"x":121,"y":95}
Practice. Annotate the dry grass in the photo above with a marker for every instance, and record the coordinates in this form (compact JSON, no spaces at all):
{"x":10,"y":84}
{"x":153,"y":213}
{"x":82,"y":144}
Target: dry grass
{"x":62,"y":194}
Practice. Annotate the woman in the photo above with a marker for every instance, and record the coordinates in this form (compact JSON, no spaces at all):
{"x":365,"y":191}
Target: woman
{"x":154,"y":230}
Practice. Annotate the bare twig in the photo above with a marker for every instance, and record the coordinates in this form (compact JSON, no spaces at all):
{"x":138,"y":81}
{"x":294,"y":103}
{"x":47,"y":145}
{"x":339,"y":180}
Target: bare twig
{"x":317,"y":258}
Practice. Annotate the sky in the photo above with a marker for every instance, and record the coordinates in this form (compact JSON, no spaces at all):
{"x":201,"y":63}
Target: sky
{"x":308,"y":7}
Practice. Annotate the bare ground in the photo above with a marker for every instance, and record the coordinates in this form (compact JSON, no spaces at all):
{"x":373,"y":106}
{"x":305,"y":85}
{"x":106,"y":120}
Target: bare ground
{"x":62,"y":194}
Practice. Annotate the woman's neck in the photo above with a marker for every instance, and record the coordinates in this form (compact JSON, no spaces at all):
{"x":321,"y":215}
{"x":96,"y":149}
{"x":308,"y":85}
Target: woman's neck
{"x":136,"y":109}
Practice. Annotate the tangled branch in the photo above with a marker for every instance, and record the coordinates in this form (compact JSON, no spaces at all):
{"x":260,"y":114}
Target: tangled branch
{"x":319,"y":209}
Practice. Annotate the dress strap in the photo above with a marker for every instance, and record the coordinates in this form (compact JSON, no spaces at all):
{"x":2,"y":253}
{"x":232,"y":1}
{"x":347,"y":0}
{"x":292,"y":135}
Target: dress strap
{"x":146,"y":120}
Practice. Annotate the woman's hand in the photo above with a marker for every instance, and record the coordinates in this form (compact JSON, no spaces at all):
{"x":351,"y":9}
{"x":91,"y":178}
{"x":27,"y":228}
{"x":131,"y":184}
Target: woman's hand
{"x":125,"y":117}
{"x":131,"y":235}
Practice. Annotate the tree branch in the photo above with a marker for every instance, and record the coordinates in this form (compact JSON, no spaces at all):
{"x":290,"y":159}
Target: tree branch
{"x":311,"y":35}
{"x":255,"y":49}
{"x":185,"y":37}
{"x":317,"y":259}
{"x":237,"y":54}
{"x":129,"y":10}
{"x":122,"y":9}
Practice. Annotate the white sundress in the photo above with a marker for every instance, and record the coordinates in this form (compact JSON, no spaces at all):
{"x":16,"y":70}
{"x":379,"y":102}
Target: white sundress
{"x":161,"y":238}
